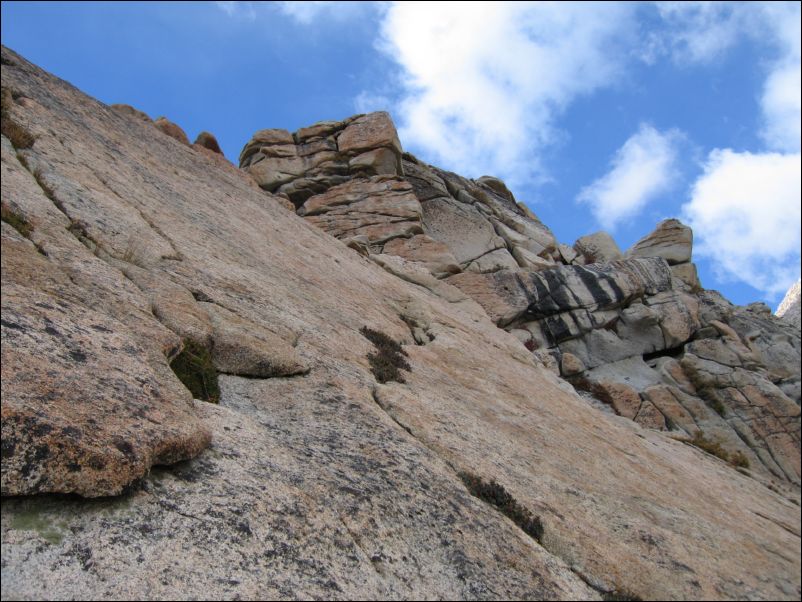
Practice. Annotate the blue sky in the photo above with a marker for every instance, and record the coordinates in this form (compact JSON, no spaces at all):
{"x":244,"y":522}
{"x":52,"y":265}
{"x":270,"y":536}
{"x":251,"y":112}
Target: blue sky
{"x":599,"y":116}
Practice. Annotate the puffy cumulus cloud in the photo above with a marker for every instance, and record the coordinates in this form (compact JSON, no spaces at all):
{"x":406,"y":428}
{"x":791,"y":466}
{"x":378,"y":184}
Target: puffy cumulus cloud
{"x":641,"y":169}
{"x":483,"y":82}
{"x":782,"y":93}
{"x":746,"y":216}
{"x":745,"y":208}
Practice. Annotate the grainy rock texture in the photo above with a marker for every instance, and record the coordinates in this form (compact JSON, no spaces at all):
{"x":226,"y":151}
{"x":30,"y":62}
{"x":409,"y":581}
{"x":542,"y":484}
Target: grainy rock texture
{"x":319,"y":482}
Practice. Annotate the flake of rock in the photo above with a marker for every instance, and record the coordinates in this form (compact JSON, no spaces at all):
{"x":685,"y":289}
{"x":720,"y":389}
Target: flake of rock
{"x":434,"y":255}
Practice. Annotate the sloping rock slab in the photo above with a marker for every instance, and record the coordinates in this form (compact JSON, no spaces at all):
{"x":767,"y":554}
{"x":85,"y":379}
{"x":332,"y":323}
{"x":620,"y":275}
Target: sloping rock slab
{"x":83,"y":412}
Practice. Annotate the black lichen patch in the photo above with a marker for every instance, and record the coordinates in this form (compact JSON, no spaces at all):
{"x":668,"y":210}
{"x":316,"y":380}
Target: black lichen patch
{"x":388,"y":361}
{"x":494,"y":494}
{"x":193,"y":367}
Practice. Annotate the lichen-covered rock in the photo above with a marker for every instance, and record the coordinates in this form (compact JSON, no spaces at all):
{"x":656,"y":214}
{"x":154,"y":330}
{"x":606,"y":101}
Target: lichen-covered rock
{"x":83,"y":411}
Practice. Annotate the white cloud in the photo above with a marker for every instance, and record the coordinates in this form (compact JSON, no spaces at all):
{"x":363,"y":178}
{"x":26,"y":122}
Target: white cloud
{"x":782,"y":108}
{"x":782,"y":93}
{"x":745,"y":208}
{"x":641,"y":169}
{"x":237,"y":9}
{"x":367,"y":102}
{"x":700,"y":32}
{"x":746,"y":217}
{"x":311,"y":10}
{"x":483,"y":82}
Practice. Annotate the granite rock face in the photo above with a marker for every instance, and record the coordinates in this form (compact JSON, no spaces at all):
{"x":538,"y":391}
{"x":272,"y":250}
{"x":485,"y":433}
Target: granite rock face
{"x":320,"y":481}
{"x":332,"y":169}
{"x":790,"y":309}
{"x":592,"y":302}
{"x":672,"y":240}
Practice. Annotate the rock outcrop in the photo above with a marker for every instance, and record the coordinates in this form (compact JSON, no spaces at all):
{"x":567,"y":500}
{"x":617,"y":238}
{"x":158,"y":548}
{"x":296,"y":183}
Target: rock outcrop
{"x":320,"y":481}
{"x":790,"y":309}
{"x":171,"y":129}
{"x":208,"y":141}
{"x":610,"y":313}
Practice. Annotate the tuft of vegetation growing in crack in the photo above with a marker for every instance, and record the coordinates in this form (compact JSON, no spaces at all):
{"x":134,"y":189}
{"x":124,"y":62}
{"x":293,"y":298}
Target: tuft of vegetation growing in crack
{"x":19,"y":137}
{"x":494,"y":494}
{"x":388,"y":361}
{"x":16,"y":220}
{"x":620,"y":595}
{"x":193,"y":367}
{"x":717,"y":406}
{"x":713,"y":446}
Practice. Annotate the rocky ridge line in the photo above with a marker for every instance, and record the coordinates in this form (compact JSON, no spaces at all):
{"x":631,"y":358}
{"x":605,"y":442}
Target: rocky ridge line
{"x":633,"y":331}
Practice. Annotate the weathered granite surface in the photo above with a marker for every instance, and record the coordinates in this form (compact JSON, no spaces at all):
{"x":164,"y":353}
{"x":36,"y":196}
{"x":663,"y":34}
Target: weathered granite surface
{"x":320,"y":482}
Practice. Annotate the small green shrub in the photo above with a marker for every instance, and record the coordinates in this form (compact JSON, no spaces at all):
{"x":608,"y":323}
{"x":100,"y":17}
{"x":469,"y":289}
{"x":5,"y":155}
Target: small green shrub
{"x":16,"y":133}
{"x":711,"y":446}
{"x":19,"y":137}
{"x":16,"y":220}
{"x":718,"y":407}
{"x":193,"y":367}
{"x":388,"y":361}
{"x":494,"y":494}
{"x":737,"y":459}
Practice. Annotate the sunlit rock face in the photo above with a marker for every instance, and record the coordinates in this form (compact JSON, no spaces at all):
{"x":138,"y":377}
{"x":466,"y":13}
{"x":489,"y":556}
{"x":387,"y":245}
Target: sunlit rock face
{"x":590,"y":301}
{"x":124,"y":249}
